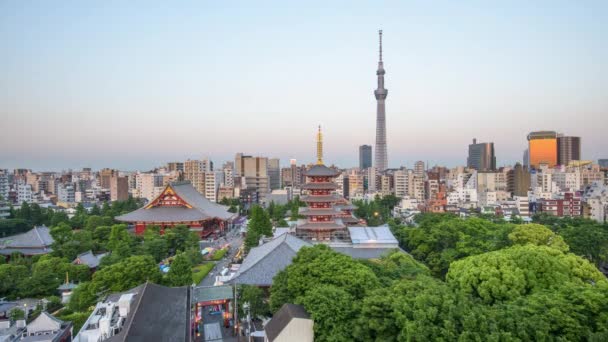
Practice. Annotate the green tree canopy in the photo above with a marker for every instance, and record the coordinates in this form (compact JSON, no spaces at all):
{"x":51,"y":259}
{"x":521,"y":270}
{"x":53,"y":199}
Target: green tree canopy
{"x":538,"y":235}
{"x":516,"y":271}
{"x":126,"y":274}
{"x":180,"y":272}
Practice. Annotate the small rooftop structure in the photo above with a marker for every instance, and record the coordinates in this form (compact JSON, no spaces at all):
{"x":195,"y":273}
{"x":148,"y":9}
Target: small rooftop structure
{"x":47,"y":328}
{"x":265,"y":261}
{"x":290,"y":324}
{"x":368,"y":237}
{"x":148,"y":312}
{"x":89,"y":259}
{"x":36,"y":241}
{"x":211,"y":293}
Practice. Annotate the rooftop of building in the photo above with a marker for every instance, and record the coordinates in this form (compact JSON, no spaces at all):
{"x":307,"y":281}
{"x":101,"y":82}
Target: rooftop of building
{"x":282,"y":318}
{"x":265,"y":261}
{"x":320,"y":170}
{"x":199,"y":208}
{"x":37,"y":240}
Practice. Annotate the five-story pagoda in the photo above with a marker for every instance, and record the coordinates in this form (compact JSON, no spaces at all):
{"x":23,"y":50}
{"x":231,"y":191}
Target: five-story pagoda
{"x":322,"y":222}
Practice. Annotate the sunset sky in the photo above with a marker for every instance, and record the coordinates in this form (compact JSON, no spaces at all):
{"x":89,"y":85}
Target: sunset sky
{"x":132,"y":85}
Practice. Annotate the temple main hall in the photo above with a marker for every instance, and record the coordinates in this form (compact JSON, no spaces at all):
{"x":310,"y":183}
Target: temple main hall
{"x":180,"y":203}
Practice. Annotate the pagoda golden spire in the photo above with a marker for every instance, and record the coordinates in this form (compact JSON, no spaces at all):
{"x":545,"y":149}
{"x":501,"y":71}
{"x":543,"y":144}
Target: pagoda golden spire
{"x":319,"y":147}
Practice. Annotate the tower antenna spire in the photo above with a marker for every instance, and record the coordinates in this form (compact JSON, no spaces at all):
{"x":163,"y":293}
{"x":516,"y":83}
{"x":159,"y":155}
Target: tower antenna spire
{"x":319,"y":147}
{"x":380,"y":39}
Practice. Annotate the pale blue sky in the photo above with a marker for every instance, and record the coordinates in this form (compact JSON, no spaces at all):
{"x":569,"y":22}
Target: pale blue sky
{"x":131,"y":84}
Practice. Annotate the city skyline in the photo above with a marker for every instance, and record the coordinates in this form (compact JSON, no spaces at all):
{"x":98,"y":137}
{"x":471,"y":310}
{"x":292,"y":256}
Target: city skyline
{"x":96,"y":92}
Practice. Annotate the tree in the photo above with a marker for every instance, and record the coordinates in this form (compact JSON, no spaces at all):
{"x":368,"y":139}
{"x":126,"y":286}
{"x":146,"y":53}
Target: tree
{"x":331,"y":307}
{"x":396,"y":266}
{"x":538,"y":235}
{"x":438,"y":240}
{"x":95,"y":221}
{"x":320,"y":265}
{"x":126,"y":274}
{"x":180,"y":238}
{"x":83,"y":297}
{"x":59,"y":217}
{"x":180,"y":272}
{"x":154,"y":244}
{"x":17,"y":314}
{"x":48,"y":273}
{"x":11,"y":279}
{"x":25,"y":212}
{"x":519,"y":270}
{"x":254,"y":297}
{"x":259,"y":225}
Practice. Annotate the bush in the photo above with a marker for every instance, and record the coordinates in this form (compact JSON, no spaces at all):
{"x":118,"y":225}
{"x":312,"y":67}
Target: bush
{"x":77,"y":318}
{"x":200,"y":271}
{"x":219,"y":254}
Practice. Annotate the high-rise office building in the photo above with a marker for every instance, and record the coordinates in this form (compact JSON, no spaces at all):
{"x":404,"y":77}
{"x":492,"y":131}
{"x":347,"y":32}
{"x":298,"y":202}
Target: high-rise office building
{"x":542,"y":148}
{"x":568,"y":148}
{"x":4,"y":185}
{"x":526,"y":158}
{"x":481,"y":156}
{"x":119,"y":188}
{"x":381,"y":159}
{"x":419,"y":169}
{"x":518,"y":180}
{"x":104,"y":177}
{"x":365,"y":156}
{"x":194,"y":171}
{"x":603,"y":163}
{"x":175,"y":166}
{"x":255,"y":172}
{"x":274,"y":173}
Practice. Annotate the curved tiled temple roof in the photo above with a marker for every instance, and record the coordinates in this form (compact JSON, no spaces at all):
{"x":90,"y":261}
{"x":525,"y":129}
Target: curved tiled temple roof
{"x":320,"y":186}
{"x":306,"y":211}
{"x":200,"y":208}
{"x":321,"y":170}
{"x":320,"y":198}
{"x":265,"y":261}
{"x":38,"y":240}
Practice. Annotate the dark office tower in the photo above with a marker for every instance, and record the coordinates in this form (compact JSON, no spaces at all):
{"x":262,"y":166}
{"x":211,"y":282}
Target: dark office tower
{"x":481,"y":156}
{"x":603,"y":163}
{"x":365,"y":156}
{"x":518,"y":180}
{"x":568,"y":148}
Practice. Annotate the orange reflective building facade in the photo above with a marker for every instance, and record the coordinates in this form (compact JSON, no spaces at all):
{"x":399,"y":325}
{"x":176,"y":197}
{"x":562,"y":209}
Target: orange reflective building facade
{"x":542,"y":148}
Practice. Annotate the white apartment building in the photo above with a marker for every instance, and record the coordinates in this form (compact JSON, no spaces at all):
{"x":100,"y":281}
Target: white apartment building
{"x":523,"y":205}
{"x":148,"y":185}
{"x":66,"y":193}
{"x":567,"y":181}
{"x":213,"y":180}
{"x":487,"y":198}
{"x":372,"y":174}
{"x":401,"y":183}
{"x":4,"y":187}
{"x":24,"y":193}
{"x":340,"y":182}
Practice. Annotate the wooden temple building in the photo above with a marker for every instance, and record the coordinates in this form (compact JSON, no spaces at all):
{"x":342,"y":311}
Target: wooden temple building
{"x":181,"y":203}
{"x":328,"y":214}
